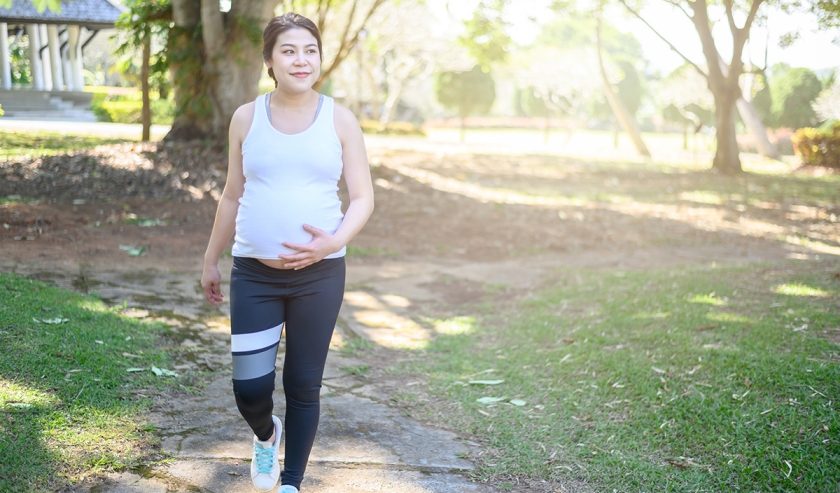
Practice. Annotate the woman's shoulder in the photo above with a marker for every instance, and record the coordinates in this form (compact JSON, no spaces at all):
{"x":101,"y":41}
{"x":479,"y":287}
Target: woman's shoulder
{"x":242,"y":118}
{"x":244,"y":114}
{"x":345,"y":120}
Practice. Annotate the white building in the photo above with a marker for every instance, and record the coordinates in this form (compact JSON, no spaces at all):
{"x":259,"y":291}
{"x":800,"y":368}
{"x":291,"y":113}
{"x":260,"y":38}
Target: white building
{"x":56,"y":43}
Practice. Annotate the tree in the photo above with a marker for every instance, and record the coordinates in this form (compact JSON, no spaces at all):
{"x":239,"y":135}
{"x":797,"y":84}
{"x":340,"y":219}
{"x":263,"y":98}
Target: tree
{"x":624,"y":117}
{"x":793,"y":96}
{"x":146,"y":21}
{"x":827,"y":104}
{"x":468,"y":93}
{"x":722,"y":76}
{"x":399,"y":59}
{"x":685,"y":93}
{"x":215,"y":57}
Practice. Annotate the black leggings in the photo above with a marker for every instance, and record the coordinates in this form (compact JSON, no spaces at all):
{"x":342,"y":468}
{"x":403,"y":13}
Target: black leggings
{"x":262,"y":300}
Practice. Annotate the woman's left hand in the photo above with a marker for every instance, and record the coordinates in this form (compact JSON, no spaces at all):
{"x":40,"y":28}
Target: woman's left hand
{"x":322,"y":244}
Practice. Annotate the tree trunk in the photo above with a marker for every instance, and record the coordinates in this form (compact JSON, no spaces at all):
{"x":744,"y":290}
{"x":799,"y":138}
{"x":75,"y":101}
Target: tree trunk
{"x":391,"y":103}
{"x":622,"y":116}
{"x":215,"y":65}
{"x":146,"y":113}
{"x":757,"y":129}
{"x":186,"y":54}
{"x":727,"y":160}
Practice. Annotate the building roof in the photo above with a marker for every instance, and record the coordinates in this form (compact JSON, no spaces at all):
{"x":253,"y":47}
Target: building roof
{"x":94,"y":14}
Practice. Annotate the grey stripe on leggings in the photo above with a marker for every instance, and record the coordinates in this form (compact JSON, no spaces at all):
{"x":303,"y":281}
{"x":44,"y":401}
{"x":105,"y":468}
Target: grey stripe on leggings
{"x":248,"y":366}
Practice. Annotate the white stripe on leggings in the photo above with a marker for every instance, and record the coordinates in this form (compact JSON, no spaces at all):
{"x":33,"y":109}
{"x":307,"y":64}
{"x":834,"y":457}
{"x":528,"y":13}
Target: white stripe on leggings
{"x":255,"y":340}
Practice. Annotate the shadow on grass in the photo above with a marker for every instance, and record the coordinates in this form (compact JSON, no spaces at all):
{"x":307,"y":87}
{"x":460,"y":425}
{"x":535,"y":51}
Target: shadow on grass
{"x":68,"y":407}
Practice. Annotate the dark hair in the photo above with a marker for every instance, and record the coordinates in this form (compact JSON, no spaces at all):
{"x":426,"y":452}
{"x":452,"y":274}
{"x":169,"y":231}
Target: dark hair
{"x":281,"y":24}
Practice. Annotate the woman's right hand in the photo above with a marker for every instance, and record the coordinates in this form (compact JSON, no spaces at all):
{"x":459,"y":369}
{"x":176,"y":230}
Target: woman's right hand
{"x":211,"y":283}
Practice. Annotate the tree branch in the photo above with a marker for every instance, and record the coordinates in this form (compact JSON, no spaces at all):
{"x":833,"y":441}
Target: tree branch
{"x":677,"y":5}
{"x":323,"y":7}
{"x":731,"y":18}
{"x":674,"y":48}
{"x":348,"y":44}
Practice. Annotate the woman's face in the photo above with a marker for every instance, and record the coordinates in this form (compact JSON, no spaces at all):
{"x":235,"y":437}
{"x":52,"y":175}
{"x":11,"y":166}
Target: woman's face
{"x":296,"y":60}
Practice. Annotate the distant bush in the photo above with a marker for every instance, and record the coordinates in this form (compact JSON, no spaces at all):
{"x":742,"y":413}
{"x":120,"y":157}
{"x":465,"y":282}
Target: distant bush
{"x":819,"y":146}
{"x":124,"y":105}
{"x":793,"y":97}
{"x":163,"y":112}
{"x":392,"y":128}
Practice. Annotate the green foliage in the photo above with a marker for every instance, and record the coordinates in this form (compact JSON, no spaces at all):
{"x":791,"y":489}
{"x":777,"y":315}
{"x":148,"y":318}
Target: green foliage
{"x":163,"y":111}
{"x":793,"y":97}
{"x":21,"y":74}
{"x":828,"y":13}
{"x":468,"y":93}
{"x":485,"y":33}
{"x":819,"y":146}
{"x":145,"y":20}
{"x":762,"y":100}
{"x":630,"y":89}
{"x":41,"y":5}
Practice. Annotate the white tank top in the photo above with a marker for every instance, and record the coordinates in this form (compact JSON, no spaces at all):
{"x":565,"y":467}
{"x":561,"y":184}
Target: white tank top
{"x":289,"y":180}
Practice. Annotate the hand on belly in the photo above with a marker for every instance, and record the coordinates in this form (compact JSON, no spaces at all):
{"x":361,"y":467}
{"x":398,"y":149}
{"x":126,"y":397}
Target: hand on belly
{"x":322,"y":244}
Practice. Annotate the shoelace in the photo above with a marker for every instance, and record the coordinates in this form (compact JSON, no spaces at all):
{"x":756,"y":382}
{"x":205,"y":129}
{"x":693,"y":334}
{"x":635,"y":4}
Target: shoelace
{"x":264,"y":458}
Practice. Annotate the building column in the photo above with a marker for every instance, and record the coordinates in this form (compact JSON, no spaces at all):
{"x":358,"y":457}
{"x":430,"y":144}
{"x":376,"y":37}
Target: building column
{"x":46,"y":58}
{"x":75,"y":48}
{"x":34,"y":60}
{"x":5,"y":57}
{"x":55,"y":57}
{"x":64,"y":56}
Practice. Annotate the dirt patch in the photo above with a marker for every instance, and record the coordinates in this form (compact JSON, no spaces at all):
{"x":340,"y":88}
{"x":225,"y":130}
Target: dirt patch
{"x":83,"y":206}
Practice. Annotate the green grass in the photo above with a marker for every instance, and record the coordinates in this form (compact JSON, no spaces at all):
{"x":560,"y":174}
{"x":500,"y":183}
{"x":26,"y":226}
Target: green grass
{"x":68,"y":407}
{"x":48,"y":143}
{"x":697,"y":379}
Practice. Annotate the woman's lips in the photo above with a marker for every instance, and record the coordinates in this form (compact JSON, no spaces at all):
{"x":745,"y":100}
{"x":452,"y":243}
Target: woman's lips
{"x":301,"y":75}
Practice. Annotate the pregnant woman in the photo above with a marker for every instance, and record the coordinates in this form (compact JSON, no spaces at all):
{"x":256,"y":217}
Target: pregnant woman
{"x":288,"y":150}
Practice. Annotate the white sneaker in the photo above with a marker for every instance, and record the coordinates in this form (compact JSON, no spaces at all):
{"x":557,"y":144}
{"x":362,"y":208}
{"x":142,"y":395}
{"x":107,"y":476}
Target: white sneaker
{"x":287,"y":488}
{"x":265,"y":467}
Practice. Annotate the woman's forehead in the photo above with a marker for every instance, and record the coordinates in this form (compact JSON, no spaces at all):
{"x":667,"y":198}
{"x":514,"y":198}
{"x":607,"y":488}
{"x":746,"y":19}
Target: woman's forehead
{"x":297,"y":36}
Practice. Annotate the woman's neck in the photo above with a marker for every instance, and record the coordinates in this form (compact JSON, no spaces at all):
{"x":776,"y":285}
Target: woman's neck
{"x":292,"y":101}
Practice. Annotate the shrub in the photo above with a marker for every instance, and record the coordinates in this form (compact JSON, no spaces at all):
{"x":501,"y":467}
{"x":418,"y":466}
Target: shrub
{"x":819,"y":147}
{"x":163,"y":111}
{"x":793,"y":96}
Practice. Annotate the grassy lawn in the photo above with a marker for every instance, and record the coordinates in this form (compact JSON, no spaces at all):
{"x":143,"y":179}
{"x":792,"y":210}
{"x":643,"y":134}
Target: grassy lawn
{"x":48,"y":143}
{"x":68,"y":407}
{"x":693,"y":379}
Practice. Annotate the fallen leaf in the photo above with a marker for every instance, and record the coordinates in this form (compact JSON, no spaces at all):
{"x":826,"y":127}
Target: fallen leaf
{"x":234,"y":473}
{"x":163,"y":372}
{"x":134,"y":370}
{"x":518,"y":402}
{"x":134,"y":251}
{"x":51,"y":321}
{"x":489,"y":400}
{"x":129,"y":355}
{"x":99,"y":342}
{"x":486,"y":382}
